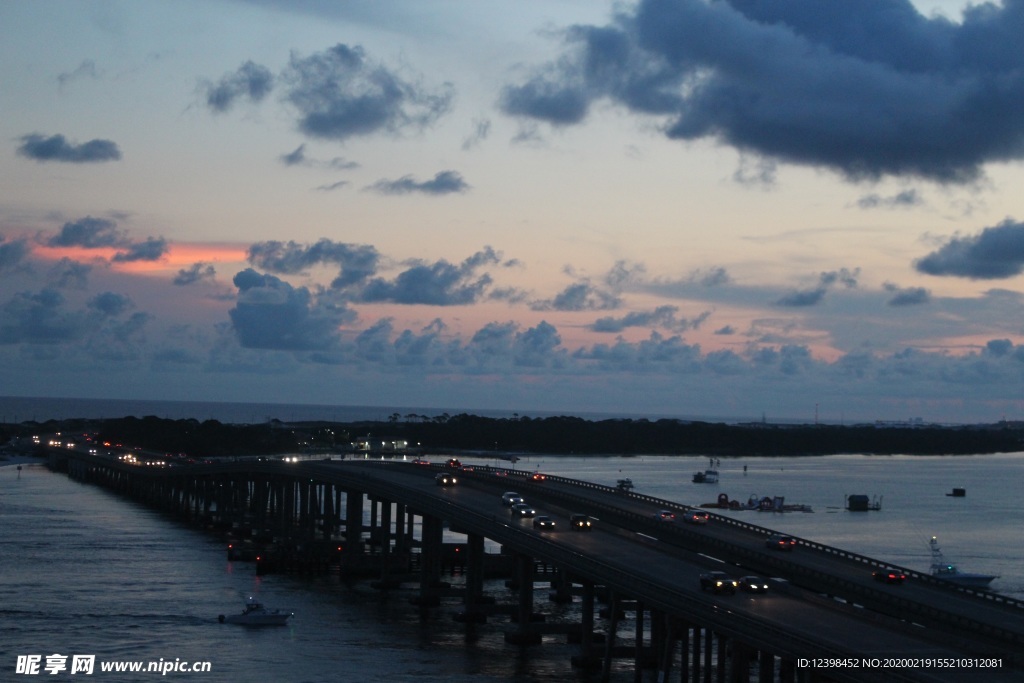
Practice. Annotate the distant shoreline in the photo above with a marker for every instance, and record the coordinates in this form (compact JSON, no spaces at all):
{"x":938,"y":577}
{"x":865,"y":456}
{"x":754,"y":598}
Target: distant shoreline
{"x":525,"y":436}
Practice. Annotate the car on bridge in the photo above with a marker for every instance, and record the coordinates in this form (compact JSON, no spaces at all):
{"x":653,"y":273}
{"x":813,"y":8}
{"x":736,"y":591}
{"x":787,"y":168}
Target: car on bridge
{"x":453,"y":463}
{"x":752,"y":584}
{"x":780,"y":542}
{"x":544,"y":523}
{"x":510,"y":498}
{"x":718,"y":582}
{"x":446,"y":479}
{"x":580,"y":522}
{"x":665,"y":516}
{"x":696,"y":517}
{"x":538,"y":476}
{"x":889,"y":575}
{"x":522,"y":510}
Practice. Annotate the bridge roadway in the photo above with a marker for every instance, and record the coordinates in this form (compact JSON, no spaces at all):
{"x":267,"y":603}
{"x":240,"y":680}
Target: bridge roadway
{"x":827,"y":606}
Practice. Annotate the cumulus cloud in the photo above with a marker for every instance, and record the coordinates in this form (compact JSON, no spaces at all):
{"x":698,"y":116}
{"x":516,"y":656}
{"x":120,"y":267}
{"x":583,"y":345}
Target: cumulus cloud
{"x":663,"y":316}
{"x":580,"y":296}
{"x":439,"y":284}
{"x":907,"y":296}
{"x":152,"y":249}
{"x":100,"y":233}
{"x":12,"y":253}
{"x":867,"y":89}
{"x":250,"y":81}
{"x":444,"y":182}
{"x":340,"y":93}
{"x":58,"y":148}
{"x":271,"y":314}
{"x":197,"y":272}
{"x":996,"y":252}
{"x":110,"y":303}
{"x":90,"y":233}
{"x":39,"y":318}
{"x":827,"y":280}
{"x":69,"y":274}
{"x":358,"y":262}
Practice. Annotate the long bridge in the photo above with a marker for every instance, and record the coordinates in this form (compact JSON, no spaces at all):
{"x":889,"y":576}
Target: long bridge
{"x":824,"y":618}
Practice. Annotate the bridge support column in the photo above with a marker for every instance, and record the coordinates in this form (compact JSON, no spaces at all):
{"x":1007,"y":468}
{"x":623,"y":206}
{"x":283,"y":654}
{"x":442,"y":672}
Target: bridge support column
{"x":638,"y":639}
{"x":765,"y":667}
{"x":787,"y":671}
{"x":739,"y":663}
{"x":383,"y":538}
{"x":562,"y":587}
{"x":402,"y":541}
{"x":609,"y":638}
{"x":354,"y":522}
{"x":474,"y":578}
{"x":432,"y":536}
{"x":523,"y":634}
{"x":709,"y":651}
{"x":696,"y":653}
{"x":585,"y":659}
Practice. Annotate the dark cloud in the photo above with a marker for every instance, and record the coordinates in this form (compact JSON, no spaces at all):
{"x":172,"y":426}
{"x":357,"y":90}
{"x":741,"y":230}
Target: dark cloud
{"x":358,"y":262}
{"x":91,"y":233}
{"x":99,"y":233}
{"x":70,"y":274}
{"x":827,"y":280}
{"x":339,"y":93}
{"x":654,"y":354}
{"x":663,"y":316}
{"x":197,"y":272}
{"x":271,"y":314}
{"x":439,"y":284}
{"x":57,"y":148}
{"x":905,"y":199}
{"x":444,"y":182}
{"x":110,"y":304}
{"x":907,"y":296}
{"x":868,"y":88}
{"x":153,"y":249}
{"x":39,"y":318}
{"x":250,"y":81}
{"x":996,"y":252}
{"x":12,"y":253}
{"x":581,"y":296}
{"x":805,"y":297}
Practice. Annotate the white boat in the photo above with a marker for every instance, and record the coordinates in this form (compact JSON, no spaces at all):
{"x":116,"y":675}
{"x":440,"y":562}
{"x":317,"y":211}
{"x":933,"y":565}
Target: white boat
{"x":255,"y":614}
{"x":941,"y":569}
{"x":706,"y":477}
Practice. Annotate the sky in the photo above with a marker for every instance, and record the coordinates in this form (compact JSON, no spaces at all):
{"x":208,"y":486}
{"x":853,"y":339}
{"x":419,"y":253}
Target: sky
{"x":730,"y":209}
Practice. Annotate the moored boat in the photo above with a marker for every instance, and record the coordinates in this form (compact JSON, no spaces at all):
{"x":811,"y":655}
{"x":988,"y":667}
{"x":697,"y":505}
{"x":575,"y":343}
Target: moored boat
{"x":706,"y":477}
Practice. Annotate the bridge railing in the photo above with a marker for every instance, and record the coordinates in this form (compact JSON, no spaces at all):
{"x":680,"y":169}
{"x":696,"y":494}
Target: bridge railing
{"x":868,"y":562}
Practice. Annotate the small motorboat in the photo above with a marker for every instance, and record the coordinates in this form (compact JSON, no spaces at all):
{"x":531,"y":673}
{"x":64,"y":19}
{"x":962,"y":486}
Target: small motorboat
{"x":255,"y":614}
{"x":941,"y":569}
{"x":706,"y":477}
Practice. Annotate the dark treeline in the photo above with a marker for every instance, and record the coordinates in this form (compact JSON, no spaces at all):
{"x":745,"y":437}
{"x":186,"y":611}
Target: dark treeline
{"x":562,"y":435}
{"x":575,"y":435}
